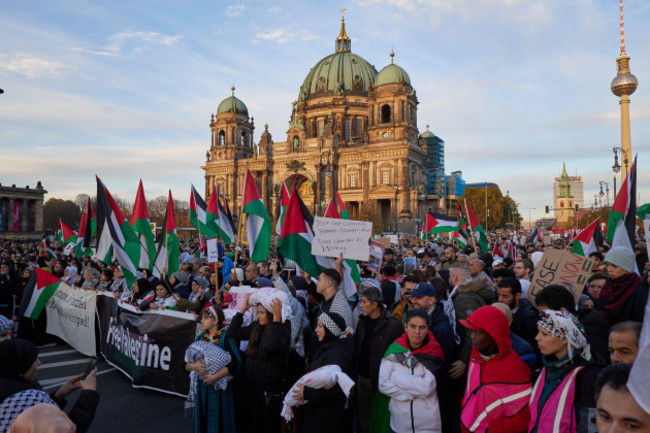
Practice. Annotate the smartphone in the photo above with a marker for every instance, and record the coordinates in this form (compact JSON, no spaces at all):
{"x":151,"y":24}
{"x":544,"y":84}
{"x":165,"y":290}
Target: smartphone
{"x":92,"y":363}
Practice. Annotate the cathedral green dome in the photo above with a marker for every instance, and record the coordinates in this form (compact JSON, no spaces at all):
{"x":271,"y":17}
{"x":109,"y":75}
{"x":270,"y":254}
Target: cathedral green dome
{"x":392,"y":74}
{"x":337,"y":73}
{"x":427,"y":134}
{"x":232,"y":105}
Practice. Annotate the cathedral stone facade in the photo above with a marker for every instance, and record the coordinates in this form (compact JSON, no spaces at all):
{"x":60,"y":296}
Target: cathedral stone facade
{"x":352,"y":129}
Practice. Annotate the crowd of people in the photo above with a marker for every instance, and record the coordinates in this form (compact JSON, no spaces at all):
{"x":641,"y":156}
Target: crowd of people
{"x":454,"y":345}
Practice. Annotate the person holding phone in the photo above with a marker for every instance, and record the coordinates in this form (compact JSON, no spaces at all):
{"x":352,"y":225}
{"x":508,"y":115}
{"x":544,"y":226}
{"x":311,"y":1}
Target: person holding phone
{"x":19,"y":390}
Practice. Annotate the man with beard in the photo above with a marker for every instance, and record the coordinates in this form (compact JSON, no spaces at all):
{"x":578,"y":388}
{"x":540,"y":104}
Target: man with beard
{"x":524,"y":317}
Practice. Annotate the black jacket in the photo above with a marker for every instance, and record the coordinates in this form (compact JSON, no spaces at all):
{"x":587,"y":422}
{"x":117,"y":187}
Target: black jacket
{"x":266,"y":364}
{"x":387,"y":330}
{"x":326,"y":408}
{"x":442,"y":331}
{"x":524,"y":323}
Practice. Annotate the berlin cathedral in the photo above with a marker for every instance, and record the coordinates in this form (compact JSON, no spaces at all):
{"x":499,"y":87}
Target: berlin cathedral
{"x":352,"y":129}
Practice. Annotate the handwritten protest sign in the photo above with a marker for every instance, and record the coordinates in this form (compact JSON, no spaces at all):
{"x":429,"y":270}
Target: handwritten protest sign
{"x":376,"y":256}
{"x":394,"y":239}
{"x":334,"y":236}
{"x":560,"y":267}
{"x":213,"y":250}
{"x":71,"y":317}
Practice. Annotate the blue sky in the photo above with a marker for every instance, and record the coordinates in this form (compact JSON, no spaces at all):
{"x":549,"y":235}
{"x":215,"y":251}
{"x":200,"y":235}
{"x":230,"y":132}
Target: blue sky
{"x":125,"y":89}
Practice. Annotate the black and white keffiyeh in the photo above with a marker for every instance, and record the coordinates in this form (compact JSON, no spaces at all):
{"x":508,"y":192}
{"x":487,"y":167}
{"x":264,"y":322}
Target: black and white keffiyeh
{"x":214,"y":357}
{"x":331,"y":326}
{"x":13,"y":405}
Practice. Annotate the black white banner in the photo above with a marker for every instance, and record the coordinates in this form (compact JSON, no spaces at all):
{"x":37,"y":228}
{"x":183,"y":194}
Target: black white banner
{"x":148,"y":347}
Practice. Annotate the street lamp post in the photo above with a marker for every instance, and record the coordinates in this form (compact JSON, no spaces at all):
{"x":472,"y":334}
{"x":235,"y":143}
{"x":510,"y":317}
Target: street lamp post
{"x":601,"y":193}
{"x":616,"y":167}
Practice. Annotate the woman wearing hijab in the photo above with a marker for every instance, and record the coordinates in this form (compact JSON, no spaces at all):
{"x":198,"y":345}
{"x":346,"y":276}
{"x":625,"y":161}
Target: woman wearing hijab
{"x":141,"y":291}
{"x":18,"y":391}
{"x":69,"y":275}
{"x":563,"y":396}
{"x":199,"y":296}
{"x":214,"y":408}
{"x":268,"y":344}
{"x":161,"y":299}
{"x":325,"y":410}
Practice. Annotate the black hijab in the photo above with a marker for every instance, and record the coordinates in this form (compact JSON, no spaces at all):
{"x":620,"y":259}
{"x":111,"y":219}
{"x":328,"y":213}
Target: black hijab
{"x":16,"y":357}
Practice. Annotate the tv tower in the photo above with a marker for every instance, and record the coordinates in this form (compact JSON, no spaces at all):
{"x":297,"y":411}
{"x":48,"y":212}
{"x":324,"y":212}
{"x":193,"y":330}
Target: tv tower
{"x":623,"y":85}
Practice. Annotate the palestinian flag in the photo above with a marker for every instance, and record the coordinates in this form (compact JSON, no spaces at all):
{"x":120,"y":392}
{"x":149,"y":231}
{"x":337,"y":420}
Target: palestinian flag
{"x":47,"y":251}
{"x":65,"y":234}
{"x":115,"y":233}
{"x":643,"y":212}
{"x":258,"y":223}
{"x":226,"y":208}
{"x":87,"y":229}
{"x":166,"y":262}
{"x":462,"y":222}
{"x":440,"y":224}
{"x":331,"y":211}
{"x":224,"y":222}
{"x":588,"y":240}
{"x":341,"y":205}
{"x":496,"y":251}
{"x":621,"y":226}
{"x":297,"y":235}
{"x":39,"y":290}
{"x":201,"y":218}
{"x":459,"y":239}
{"x":142,"y":227}
{"x":533,"y":236}
{"x":284,"y":202}
{"x":476,"y":227}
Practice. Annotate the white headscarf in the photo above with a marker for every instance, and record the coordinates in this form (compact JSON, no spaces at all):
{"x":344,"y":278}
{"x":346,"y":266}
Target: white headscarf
{"x":72,"y":273}
{"x":566,"y":326}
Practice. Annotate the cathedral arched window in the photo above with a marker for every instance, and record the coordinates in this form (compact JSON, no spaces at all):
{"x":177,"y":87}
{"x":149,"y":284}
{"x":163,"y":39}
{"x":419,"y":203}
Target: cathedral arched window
{"x":243,"y":139}
{"x":232,"y":136}
{"x":222,"y":137}
{"x":353,"y":180}
{"x":385,"y":113}
{"x":385,"y":177}
{"x":561,"y":204}
{"x":220,"y":189}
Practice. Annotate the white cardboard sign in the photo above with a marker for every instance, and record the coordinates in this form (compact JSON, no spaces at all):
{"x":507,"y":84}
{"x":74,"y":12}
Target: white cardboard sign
{"x":333,"y":236}
{"x":213,"y":250}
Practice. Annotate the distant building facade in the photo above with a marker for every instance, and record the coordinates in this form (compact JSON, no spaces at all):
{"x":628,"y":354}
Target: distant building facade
{"x":352,"y":129}
{"x":567,"y":194}
{"x":21,"y":211}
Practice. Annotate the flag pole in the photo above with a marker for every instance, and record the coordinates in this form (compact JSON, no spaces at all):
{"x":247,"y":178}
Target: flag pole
{"x":471,"y":229}
{"x":242,"y":218}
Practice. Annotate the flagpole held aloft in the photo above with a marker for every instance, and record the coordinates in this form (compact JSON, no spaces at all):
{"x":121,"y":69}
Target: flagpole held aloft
{"x":471,"y":233}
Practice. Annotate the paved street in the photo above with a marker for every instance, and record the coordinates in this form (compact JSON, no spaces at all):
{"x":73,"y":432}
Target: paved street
{"x":121,"y":408}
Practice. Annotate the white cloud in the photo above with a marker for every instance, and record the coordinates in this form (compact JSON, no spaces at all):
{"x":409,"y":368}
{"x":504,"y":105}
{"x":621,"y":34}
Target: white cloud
{"x":140,"y":40}
{"x":235,"y":10}
{"x":31,"y":66}
{"x":96,"y":52}
{"x":280,"y":36}
{"x":274,"y":10}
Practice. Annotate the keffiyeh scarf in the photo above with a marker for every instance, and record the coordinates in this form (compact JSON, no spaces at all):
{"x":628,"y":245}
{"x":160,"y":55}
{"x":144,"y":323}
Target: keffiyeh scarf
{"x":566,"y":326}
{"x":213,"y":356}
